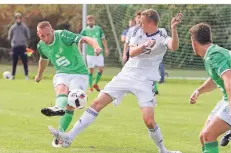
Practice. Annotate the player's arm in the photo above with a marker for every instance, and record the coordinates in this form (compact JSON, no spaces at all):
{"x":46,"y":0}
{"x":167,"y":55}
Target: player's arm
{"x":92,"y":42}
{"x":207,"y":86}
{"x":106,"y":50}
{"x":173,"y":42}
{"x":226,"y":76}
{"x":42,"y":64}
{"x":140,"y":49}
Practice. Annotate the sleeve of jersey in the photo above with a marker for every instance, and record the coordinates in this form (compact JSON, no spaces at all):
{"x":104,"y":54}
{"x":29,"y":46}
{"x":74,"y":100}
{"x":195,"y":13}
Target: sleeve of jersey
{"x":69,"y":38}
{"x":41,"y":53}
{"x":82,"y":32}
{"x":165,"y":36}
{"x":220,"y":63}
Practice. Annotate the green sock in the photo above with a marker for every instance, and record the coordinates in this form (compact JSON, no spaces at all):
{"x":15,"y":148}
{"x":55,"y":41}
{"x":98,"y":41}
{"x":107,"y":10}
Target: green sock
{"x":156,"y":86}
{"x":61,"y":100}
{"x":65,"y":120}
{"x":98,"y":76}
{"x":203,"y":149}
{"x":211,"y":147}
{"x":90,"y":80}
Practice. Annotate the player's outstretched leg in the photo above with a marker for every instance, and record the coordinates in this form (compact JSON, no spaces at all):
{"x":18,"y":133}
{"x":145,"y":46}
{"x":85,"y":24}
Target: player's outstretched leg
{"x":60,"y":102}
{"x":226,"y":138}
{"x":85,"y":120}
{"x":154,"y":130}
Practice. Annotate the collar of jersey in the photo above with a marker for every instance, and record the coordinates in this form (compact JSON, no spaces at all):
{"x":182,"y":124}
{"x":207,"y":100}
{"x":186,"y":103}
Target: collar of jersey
{"x":208,"y":50}
{"x":153,"y":34}
{"x":90,"y":27}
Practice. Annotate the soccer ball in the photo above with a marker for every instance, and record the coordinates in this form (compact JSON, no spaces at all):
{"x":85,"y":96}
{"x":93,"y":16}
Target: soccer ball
{"x":6,"y":74}
{"x":77,"y":98}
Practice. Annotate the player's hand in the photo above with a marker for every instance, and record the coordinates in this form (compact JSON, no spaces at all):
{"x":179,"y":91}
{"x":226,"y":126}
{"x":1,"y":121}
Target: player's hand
{"x":194,"y":97}
{"x":176,"y":20}
{"x":149,"y":43}
{"x":97,"y":51}
{"x":38,"y":78}
{"x":106,"y":52}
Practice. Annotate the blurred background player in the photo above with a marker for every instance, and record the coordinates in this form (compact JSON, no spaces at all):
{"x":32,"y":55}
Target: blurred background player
{"x":148,"y":46}
{"x":93,"y":60}
{"x":131,"y":23}
{"x":60,"y":47}
{"x":217,"y":61}
{"x":129,"y":35}
{"x":19,"y":36}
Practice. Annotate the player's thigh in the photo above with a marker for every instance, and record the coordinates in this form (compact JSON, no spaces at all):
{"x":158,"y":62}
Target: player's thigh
{"x":116,"y":89}
{"x":100,"y":61}
{"x":91,"y":61}
{"x":78,"y":82}
{"x":61,"y":83}
{"x":145,"y":93}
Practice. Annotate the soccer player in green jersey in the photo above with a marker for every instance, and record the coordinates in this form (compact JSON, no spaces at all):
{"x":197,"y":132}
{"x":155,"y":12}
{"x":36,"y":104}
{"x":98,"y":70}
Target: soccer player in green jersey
{"x":96,"y":32}
{"x":217,"y":61}
{"x":60,"y":48}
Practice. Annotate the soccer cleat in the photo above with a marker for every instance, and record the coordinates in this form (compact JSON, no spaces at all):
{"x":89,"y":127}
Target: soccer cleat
{"x":96,"y":87}
{"x":53,"y":111}
{"x":66,"y":142}
{"x":170,"y":151}
{"x":11,"y":77}
{"x":226,"y":138}
{"x":90,"y":89}
{"x":27,"y":77}
{"x":157,"y":92}
{"x":56,"y":143}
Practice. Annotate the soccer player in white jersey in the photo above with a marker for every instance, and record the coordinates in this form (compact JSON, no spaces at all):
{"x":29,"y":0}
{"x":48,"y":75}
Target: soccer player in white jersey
{"x":148,"y":46}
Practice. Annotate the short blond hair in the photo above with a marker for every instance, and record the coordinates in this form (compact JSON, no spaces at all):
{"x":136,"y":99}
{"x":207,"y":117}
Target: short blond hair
{"x":43,"y":24}
{"x":90,"y":17}
{"x":151,"y":15}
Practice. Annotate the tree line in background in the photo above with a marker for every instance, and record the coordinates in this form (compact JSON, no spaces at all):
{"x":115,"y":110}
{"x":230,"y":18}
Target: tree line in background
{"x":70,"y":17}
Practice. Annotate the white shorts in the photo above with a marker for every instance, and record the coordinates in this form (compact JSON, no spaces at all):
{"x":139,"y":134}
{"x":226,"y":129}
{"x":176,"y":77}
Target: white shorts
{"x":221,"y":110}
{"x":95,"y":61}
{"x":72,"y":81}
{"x":224,"y":114}
{"x":121,"y":85}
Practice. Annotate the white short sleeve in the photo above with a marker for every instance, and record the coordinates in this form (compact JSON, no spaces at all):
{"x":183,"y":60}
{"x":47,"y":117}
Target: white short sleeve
{"x":165,"y":37}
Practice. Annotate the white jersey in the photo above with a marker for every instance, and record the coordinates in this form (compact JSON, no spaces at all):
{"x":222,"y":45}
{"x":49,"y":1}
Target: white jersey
{"x":146,"y":65}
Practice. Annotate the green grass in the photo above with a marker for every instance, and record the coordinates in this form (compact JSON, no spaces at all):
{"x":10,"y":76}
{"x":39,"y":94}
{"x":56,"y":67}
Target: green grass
{"x":117,"y":129}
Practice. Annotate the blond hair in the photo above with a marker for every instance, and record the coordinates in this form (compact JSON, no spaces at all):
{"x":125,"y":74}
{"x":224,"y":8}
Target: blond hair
{"x":151,"y":15}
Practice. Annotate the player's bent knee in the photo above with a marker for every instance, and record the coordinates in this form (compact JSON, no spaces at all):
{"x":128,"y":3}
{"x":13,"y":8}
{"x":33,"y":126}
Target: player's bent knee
{"x":208,"y":136}
{"x":61,"y":89}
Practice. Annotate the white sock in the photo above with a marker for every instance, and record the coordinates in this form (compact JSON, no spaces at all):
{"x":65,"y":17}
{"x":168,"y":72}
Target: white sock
{"x":156,"y":136}
{"x":86,"y":119}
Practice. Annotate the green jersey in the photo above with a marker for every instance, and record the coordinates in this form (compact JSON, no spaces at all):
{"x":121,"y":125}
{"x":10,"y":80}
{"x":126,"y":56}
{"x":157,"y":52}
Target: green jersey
{"x":94,"y":32}
{"x":63,"y":53}
{"x":217,"y":60}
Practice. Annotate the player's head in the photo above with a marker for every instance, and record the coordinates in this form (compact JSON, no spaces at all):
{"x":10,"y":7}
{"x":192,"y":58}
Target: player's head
{"x":138,"y":17}
{"x":90,"y":20}
{"x":131,"y":23}
{"x":149,"y":20}
{"x":18,"y":17}
{"x":45,"y":32}
{"x":200,"y":36}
